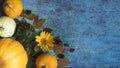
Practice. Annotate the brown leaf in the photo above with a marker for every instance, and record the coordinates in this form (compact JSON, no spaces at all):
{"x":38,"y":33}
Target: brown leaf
{"x":30,"y":16}
{"x":47,"y":30}
{"x":57,"y":40}
{"x":63,"y":62}
{"x":67,"y":45}
{"x":38,"y":22}
{"x":27,"y":12}
{"x":36,"y":18}
{"x":60,"y":55}
{"x":58,"y":49}
{"x":72,"y":50}
{"x":23,"y":21}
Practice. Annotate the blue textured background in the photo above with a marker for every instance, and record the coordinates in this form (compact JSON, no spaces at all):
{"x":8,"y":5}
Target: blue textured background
{"x":92,"y":27}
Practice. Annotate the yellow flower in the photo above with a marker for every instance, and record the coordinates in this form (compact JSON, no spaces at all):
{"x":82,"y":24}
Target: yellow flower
{"x":45,"y":40}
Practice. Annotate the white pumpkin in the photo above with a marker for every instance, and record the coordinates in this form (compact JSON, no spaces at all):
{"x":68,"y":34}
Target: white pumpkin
{"x":7,"y":26}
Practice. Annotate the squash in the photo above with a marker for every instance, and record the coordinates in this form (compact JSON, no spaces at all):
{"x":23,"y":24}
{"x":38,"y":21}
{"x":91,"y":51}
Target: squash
{"x":12,"y":54}
{"x":46,"y":61}
{"x":13,"y":8}
{"x":7,"y":26}
{"x":25,"y":33}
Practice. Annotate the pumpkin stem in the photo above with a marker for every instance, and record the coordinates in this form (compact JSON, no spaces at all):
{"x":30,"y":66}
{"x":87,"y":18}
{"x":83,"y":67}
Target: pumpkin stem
{"x":44,"y":66}
{"x":9,"y":6}
{"x":1,"y":28}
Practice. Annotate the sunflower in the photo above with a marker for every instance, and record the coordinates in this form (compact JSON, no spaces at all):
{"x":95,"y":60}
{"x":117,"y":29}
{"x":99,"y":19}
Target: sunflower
{"x":45,"y":40}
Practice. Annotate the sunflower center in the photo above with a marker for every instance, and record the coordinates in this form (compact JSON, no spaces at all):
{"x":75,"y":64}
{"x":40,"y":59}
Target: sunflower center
{"x":43,"y":41}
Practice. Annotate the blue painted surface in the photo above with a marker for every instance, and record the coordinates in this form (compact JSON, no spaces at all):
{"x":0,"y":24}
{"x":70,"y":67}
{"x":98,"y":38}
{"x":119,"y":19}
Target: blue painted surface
{"x":92,"y":27}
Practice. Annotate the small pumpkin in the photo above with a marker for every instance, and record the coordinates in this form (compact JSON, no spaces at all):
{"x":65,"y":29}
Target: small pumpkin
{"x":25,"y":33}
{"x":13,"y":8}
{"x":7,"y":26}
{"x":12,"y":54}
{"x":46,"y":61}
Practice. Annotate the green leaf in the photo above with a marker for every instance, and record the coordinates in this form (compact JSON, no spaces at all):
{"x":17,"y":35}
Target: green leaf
{"x":29,"y":50}
{"x":37,"y":48}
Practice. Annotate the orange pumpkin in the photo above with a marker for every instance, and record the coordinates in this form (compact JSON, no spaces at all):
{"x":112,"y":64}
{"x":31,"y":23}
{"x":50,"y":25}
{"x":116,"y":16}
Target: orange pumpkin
{"x":12,"y":8}
{"x":46,"y":61}
{"x":12,"y":54}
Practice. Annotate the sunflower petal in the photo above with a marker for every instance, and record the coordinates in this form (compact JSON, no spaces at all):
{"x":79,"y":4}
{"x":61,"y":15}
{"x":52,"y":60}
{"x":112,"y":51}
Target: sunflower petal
{"x":48,"y":44}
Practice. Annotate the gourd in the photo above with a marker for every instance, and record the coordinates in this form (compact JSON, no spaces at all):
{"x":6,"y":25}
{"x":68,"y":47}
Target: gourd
{"x":12,"y":54}
{"x":13,"y":8}
{"x":25,"y":33}
{"x":7,"y":26}
{"x":46,"y":61}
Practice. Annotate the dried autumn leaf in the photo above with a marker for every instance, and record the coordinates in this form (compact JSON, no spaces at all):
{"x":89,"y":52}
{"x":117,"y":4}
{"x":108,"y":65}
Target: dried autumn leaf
{"x":27,"y":12}
{"x":36,"y":18}
{"x":60,"y":55}
{"x":47,"y":30}
{"x":72,"y":50}
{"x":57,"y":40}
{"x":63,"y":62}
{"x":67,"y":45}
{"x":58,"y":49}
{"x":38,"y":22}
{"x":30,"y":16}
